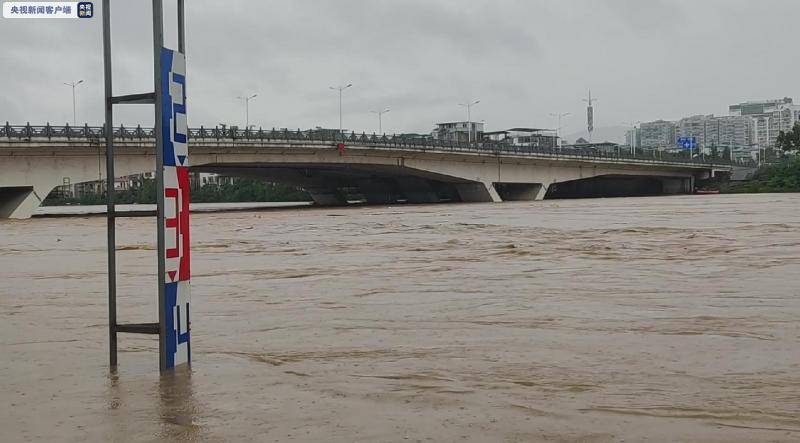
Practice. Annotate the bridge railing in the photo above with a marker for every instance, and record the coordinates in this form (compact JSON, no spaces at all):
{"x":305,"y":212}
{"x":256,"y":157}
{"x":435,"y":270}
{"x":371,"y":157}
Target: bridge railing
{"x":97,"y":134}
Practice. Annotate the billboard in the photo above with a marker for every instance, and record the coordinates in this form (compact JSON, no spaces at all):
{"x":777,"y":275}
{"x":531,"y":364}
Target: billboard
{"x":175,"y":156}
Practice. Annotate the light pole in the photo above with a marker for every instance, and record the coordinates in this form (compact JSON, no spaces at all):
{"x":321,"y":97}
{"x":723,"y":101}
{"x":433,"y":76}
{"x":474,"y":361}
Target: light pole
{"x":469,"y":106}
{"x":380,"y":115}
{"x":633,"y":135}
{"x":558,"y":129}
{"x":246,"y":99}
{"x":340,"y":89}
{"x":73,"y":85}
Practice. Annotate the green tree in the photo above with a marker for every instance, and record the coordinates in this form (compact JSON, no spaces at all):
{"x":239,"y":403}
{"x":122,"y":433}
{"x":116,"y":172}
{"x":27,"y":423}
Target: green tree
{"x":789,"y":141}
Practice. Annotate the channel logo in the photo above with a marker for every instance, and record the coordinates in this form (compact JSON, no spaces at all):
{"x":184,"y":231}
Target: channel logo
{"x":85,"y":10}
{"x":23,"y":9}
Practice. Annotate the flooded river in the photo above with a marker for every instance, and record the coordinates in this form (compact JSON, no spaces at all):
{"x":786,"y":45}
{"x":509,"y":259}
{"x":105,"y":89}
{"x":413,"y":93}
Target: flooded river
{"x":658,"y":319}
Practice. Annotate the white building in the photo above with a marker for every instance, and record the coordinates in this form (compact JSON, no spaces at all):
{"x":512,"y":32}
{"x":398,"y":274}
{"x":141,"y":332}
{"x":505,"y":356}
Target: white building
{"x":767,"y":126}
{"x":757,"y":107}
{"x":767,"y":118}
{"x":659,"y":134}
{"x":633,"y":138}
{"x":461,"y":132}
{"x":537,"y":138}
{"x":732,"y":132}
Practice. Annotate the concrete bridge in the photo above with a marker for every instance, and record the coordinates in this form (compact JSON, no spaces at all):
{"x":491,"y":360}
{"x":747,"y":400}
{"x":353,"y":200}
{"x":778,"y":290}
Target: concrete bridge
{"x":384,"y":169}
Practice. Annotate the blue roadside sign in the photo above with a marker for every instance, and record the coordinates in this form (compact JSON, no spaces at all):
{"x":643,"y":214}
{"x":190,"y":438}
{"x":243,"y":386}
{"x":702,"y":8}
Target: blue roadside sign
{"x":687,"y":142}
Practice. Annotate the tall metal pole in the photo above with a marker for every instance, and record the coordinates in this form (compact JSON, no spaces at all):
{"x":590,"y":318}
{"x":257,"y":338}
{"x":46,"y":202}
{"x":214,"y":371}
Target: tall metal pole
{"x":469,"y":105}
{"x":181,"y":28}
{"x":74,"y":113}
{"x":380,"y":120}
{"x":340,"y":89}
{"x":469,"y":124}
{"x":110,"y":217}
{"x":246,"y":99}
{"x":158,"y":43}
{"x":559,"y":115}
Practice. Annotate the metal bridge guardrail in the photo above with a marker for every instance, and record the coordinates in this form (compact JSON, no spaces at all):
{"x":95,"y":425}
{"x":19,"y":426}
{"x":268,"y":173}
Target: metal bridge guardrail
{"x":122,"y":133}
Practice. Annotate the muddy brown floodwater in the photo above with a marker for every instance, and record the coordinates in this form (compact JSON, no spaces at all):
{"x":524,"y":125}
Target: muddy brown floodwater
{"x":641,"y":319}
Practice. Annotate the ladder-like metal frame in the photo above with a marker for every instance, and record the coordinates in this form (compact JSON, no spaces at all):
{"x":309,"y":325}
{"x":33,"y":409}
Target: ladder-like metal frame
{"x":154,"y":98}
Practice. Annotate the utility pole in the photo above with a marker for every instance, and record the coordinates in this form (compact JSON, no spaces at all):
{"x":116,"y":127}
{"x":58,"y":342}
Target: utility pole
{"x":469,"y":106}
{"x":246,"y":99}
{"x":73,"y":85}
{"x":340,"y":89}
{"x":558,"y":129}
{"x":380,"y":123}
{"x":590,"y":115}
{"x":633,"y":135}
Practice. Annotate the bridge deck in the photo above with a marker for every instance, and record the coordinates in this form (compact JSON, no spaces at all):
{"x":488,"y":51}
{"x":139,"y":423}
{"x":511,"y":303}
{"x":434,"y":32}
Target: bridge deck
{"x":29,"y":136}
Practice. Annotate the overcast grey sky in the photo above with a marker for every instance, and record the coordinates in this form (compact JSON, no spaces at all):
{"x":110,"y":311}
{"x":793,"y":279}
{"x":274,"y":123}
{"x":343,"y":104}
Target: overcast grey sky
{"x":643,"y":59}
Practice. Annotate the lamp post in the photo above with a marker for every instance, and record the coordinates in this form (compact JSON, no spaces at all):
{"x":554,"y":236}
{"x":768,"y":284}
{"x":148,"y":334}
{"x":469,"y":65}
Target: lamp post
{"x":73,"y":85}
{"x":380,"y":115}
{"x":633,"y":135}
{"x":559,"y":115}
{"x":340,"y":89}
{"x":246,"y":99}
{"x":469,"y":106}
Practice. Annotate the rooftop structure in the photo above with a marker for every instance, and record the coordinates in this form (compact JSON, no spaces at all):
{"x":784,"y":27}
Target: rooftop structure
{"x":540,"y":138}
{"x":461,"y":132}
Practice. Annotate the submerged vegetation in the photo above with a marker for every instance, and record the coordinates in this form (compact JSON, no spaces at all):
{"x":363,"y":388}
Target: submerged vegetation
{"x":783,"y":176}
{"x":238,"y":190}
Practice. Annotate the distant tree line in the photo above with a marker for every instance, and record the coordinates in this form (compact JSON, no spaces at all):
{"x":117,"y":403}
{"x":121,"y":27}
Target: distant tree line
{"x":239,"y":190}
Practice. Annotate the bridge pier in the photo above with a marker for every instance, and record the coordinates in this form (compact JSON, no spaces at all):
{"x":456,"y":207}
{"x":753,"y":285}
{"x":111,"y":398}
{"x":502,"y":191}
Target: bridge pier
{"x":677,"y":185}
{"x":325,"y":196}
{"x":478,"y":192}
{"x":521,"y":191}
{"x":377,"y":192}
{"x":22,"y":201}
{"x":417,"y":190}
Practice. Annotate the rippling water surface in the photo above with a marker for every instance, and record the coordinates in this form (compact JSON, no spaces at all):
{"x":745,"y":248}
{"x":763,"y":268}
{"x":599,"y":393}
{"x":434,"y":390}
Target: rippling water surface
{"x":670,"y":318}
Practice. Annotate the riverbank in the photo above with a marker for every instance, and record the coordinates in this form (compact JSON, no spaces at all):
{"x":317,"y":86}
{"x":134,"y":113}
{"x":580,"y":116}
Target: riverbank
{"x":777,"y":178}
{"x":77,"y":210}
{"x":238,"y":190}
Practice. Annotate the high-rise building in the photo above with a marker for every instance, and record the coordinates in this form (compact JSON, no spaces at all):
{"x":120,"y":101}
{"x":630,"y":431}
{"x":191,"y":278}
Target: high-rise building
{"x":659,"y":134}
{"x":767,"y":125}
{"x":757,"y":107}
{"x":766,"y":119}
{"x":733,"y":132}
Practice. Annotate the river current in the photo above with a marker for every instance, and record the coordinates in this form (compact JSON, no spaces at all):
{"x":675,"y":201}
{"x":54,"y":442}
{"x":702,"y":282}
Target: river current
{"x":630,"y":319}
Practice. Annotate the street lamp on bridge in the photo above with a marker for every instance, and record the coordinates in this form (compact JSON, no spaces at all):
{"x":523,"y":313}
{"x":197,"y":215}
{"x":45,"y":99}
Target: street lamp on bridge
{"x":73,"y":85}
{"x":469,"y":106}
{"x":340,"y":89}
{"x":246,"y":99}
{"x":559,"y":115}
{"x":633,"y":134}
{"x":380,"y":122}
